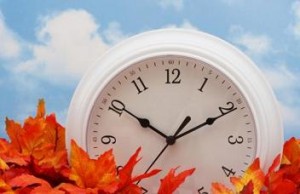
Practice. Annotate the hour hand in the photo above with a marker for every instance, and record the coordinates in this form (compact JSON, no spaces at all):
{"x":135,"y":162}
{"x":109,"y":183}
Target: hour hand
{"x":210,"y":120}
{"x":145,"y":123}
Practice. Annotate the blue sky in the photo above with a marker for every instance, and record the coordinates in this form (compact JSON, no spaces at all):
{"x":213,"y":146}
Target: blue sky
{"x":45,"y":46}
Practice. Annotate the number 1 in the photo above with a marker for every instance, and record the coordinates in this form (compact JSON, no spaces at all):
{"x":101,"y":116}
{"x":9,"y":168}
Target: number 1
{"x":203,"y":84}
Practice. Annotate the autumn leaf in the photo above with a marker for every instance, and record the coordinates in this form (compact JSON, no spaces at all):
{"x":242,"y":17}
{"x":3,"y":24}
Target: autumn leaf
{"x":125,"y":174}
{"x":39,"y":143}
{"x":248,"y":189}
{"x":41,"y":109}
{"x":4,"y":187}
{"x":254,"y":174}
{"x":10,"y":155}
{"x":97,"y":173}
{"x":291,"y":152}
{"x":171,"y":181}
{"x":218,"y":188}
{"x":26,"y":183}
{"x":70,"y":188}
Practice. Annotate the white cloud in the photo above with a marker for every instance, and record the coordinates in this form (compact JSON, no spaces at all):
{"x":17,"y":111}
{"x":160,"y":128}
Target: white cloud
{"x":285,"y":82}
{"x":295,"y":27}
{"x":113,"y":34}
{"x":281,"y":78}
{"x":10,"y":47}
{"x":69,"y":43}
{"x":253,"y":45}
{"x":290,"y":116}
{"x":176,"y":4}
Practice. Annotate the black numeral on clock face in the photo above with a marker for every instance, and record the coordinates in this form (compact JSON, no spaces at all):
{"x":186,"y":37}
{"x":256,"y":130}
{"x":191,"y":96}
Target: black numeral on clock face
{"x":108,"y":139}
{"x":139,"y":85}
{"x":203,"y":84}
{"x":201,"y":191}
{"x":173,"y":76}
{"x":228,"y":172}
{"x":144,"y":190}
{"x":117,"y":106}
{"x":237,"y":140}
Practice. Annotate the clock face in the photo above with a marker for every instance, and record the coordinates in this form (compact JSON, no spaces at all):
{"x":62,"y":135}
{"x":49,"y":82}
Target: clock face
{"x":182,"y":112}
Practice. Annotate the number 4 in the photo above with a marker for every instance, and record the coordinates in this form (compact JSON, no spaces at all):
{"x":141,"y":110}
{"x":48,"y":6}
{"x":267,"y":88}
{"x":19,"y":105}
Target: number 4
{"x":228,"y":172}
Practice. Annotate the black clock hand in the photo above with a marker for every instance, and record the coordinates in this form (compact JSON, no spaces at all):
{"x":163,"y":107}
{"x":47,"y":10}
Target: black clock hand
{"x":170,"y":141}
{"x":209,"y":121}
{"x":145,"y":123}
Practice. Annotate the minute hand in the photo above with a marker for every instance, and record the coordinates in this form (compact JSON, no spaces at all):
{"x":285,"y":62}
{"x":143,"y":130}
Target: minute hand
{"x":209,"y":121}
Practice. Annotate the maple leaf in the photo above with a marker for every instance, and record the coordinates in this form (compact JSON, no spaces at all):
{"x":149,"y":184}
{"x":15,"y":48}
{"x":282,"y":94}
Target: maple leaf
{"x":10,"y":155}
{"x":218,"y":188}
{"x":4,"y":187}
{"x":171,"y":181}
{"x":26,"y":183}
{"x":254,"y":174}
{"x":248,"y":189}
{"x":286,"y":179}
{"x":3,"y":165}
{"x":98,"y":173}
{"x":39,"y":143}
{"x":70,"y":188}
{"x":125,"y":174}
{"x":291,"y":152}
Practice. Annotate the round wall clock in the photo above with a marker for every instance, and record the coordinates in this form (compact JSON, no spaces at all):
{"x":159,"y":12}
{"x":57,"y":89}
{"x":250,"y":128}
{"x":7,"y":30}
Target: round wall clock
{"x":187,"y":98}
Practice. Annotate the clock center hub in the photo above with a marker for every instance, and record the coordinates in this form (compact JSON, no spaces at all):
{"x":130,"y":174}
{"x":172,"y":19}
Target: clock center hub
{"x":171,"y":140}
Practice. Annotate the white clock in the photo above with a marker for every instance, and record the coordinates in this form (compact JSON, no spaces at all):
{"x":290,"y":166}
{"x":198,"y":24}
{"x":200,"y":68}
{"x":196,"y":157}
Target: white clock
{"x":187,"y":98}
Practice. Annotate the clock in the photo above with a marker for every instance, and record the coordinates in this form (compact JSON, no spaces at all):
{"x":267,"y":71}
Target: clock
{"x":185,"y":97}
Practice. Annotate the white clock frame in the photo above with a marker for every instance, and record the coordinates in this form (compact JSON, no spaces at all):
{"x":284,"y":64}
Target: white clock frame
{"x":223,"y":56}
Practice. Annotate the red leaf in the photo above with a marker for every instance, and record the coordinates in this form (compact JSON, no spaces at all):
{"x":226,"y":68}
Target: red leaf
{"x":218,"y":188}
{"x":285,"y":186}
{"x":171,"y":181}
{"x":70,"y":188}
{"x":26,"y":180}
{"x":125,"y":173}
{"x":248,"y":189}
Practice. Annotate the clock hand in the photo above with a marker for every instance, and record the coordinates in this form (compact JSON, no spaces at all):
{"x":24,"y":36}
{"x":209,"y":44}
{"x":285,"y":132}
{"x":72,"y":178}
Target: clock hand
{"x":209,"y":121}
{"x":170,"y":140}
{"x":145,"y":123}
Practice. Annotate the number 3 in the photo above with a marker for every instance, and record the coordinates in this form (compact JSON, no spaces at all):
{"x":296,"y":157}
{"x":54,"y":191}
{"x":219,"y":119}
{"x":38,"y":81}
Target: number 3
{"x":238,"y":140}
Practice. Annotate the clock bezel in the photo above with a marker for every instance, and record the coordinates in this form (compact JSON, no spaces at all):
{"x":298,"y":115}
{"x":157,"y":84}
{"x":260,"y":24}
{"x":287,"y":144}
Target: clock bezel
{"x":200,"y":46}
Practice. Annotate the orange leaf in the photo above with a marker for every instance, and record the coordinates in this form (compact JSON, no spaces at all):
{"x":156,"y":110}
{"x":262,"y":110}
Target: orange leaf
{"x":89,"y":173}
{"x":274,"y":165}
{"x":26,"y":180}
{"x":291,"y":151}
{"x":70,"y":188}
{"x":4,"y":186}
{"x":254,"y":174}
{"x":125,"y":174}
{"x":171,"y":181}
{"x":14,"y":131}
{"x":218,"y":188}
{"x":3,"y":165}
{"x":41,"y":109}
{"x":10,"y":155}
{"x":40,"y":142}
